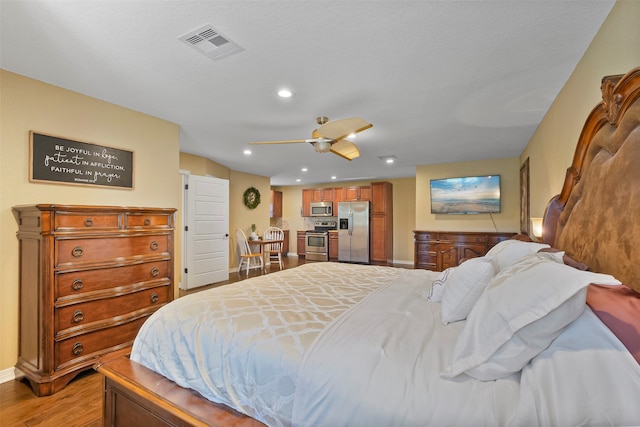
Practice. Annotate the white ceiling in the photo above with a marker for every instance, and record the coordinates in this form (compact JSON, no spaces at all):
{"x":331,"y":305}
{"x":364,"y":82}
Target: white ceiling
{"x":442,"y":81}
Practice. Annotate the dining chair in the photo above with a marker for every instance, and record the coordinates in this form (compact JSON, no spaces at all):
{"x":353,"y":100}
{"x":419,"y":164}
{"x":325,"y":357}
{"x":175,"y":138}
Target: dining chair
{"x":245,"y":252}
{"x":273,"y":250}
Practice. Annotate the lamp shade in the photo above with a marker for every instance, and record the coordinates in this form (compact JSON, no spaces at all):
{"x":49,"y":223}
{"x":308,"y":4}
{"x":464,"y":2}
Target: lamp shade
{"x":536,"y":227}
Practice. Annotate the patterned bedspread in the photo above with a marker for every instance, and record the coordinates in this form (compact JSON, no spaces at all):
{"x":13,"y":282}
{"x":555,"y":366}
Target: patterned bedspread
{"x":242,"y":344}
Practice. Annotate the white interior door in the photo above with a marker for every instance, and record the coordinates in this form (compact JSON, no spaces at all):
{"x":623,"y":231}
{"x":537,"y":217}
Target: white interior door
{"x":207,"y":232}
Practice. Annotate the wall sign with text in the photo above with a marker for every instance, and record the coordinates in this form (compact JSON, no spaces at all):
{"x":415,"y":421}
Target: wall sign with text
{"x":73,"y":162}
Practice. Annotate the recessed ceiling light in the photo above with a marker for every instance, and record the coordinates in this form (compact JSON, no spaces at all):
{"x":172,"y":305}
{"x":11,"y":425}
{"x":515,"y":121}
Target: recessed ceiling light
{"x":388,"y":159}
{"x":247,"y":152}
{"x":285,"y":93}
{"x":298,"y":180}
{"x":334,"y":177}
{"x":304,"y":169}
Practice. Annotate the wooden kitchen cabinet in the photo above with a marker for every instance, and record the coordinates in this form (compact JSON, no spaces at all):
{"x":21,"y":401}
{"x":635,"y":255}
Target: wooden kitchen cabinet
{"x":351,"y":194}
{"x":90,"y":277}
{"x":275,"y":206}
{"x":439,"y":250}
{"x":335,"y":195}
{"x":333,"y":245}
{"x":307,"y":198}
{"x":285,"y":243}
{"x":322,"y":195}
{"x":365,"y":193}
{"x":301,"y":243}
{"x":381,"y":251}
{"x":357,"y":193}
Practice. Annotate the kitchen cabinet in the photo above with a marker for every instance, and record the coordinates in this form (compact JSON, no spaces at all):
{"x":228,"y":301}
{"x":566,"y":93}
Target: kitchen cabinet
{"x":335,"y":195}
{"x":381,"y":195}
{"x":301,"y":243}
{"x":365,"y":193}
{"x":90,"y":277}
{"x":307,"y":198}
{"x":322,"y":195}
{"x":351,"y":194}
{"x":275,"y":206}
{"x":333,"y":245}
{"x":439,"y":250}
{"x":357,"y":193}
{"x":285,"y":243}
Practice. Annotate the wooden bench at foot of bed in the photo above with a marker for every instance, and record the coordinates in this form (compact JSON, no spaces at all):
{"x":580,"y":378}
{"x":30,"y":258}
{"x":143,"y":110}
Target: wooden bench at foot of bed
{"x":137,"y":396}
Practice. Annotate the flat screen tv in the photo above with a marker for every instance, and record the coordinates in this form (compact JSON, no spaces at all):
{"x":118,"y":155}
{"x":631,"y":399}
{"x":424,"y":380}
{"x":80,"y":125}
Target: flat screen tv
{"x":466,"y":195}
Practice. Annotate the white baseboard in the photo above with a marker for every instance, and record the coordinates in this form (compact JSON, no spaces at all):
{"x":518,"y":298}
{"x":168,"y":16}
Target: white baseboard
{"x":402,"y":262}
{"x":7,"y":375}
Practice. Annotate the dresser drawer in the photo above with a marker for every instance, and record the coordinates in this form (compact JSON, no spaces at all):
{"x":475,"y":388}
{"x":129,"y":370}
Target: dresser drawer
{"x":425,"y":248}
{"x":74,"y":284}
{"x":75,"y":221}
{"x":94,"y":344}
{"x":494,"y":240}
{"x":78,"y":315}
{"x":422,"y":237}
{"x":82,"y":251}
{"x":150,"y":220}
{"x":462,"y":238}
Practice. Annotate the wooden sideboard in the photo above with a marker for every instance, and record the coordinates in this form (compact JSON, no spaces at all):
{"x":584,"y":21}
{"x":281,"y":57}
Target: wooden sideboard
{"x":439,"y":250}
{"x":89,"y":277}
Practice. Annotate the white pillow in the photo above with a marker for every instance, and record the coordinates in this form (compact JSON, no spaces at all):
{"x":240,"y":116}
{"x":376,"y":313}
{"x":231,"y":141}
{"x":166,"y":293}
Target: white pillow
{"x":524,"y":308}
{"x":464,"y":286}
{"x":507,"y":252}
{"x":437,"y":287}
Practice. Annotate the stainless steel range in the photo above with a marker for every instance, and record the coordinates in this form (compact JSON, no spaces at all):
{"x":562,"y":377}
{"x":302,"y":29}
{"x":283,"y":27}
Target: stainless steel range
{"x":317,"y":240}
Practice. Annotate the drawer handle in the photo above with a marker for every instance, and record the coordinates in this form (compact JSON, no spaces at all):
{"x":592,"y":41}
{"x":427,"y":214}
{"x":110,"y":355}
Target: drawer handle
{"x":78,"y":316}
{"x":154,"y":245}
{"x":77,"y":252}
{"x":78,"y":348}
{"x":155,"y":271}
{"x":147,"y":221}
{"x":154,"y":298}
{"x":77,"y":284}
{"x":88,"y":222}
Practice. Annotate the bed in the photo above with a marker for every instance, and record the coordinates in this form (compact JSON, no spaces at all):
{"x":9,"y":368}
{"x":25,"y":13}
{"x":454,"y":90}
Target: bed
{"x":533,"y":333}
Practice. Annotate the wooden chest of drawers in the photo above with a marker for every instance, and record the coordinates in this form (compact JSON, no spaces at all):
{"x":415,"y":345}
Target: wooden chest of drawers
{"x":89,"y":278}
{"x":439,"y":250}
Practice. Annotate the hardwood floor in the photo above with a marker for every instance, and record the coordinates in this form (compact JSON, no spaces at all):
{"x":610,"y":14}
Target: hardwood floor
{"x":80,"y":403}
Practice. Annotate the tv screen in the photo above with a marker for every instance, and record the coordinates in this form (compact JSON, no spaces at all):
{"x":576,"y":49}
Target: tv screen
{"x":467,"y":195}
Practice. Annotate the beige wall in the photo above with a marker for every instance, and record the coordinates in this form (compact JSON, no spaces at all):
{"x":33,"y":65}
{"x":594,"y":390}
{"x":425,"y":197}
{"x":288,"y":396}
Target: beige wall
{"x":614,"y":50}
{"x":197,"y":165}
{"x":242,"y":217}
{"x":505,"y":221}
{"x":27,"y":104}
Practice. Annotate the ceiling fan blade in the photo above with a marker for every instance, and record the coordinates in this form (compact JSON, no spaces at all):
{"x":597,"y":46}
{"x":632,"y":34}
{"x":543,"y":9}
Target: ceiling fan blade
{"x":345,"y":149}
{"x":339,"y":129}
{"x":290,"y":141}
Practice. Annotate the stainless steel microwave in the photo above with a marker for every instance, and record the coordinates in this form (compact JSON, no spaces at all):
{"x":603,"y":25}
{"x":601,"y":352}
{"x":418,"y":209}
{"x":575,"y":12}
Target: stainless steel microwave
{"x":321,"y":209}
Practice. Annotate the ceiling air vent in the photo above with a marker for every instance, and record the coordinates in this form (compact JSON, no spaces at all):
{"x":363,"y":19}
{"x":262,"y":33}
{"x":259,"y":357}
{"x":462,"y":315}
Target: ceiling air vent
{"x":210,"y":42}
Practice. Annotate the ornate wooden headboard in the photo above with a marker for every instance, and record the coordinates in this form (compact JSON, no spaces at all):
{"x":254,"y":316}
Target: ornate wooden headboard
{"x":596,"y":217}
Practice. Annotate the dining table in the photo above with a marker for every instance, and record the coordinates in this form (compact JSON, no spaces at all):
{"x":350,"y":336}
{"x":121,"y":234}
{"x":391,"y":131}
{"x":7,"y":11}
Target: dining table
{"x":261,"y":243}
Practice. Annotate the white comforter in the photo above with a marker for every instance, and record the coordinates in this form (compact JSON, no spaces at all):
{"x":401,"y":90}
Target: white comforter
{"x":329,"y":344}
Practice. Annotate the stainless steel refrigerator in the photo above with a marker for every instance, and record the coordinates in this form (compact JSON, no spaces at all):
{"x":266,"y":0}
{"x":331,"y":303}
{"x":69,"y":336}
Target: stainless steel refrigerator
{"x":353,"y":231}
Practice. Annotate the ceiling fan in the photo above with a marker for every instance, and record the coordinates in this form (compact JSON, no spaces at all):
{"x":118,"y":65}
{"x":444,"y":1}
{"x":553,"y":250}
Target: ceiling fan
{"x":330,"y":136}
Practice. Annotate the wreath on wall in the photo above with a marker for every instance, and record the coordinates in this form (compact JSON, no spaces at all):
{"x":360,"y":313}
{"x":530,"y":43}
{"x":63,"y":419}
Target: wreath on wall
{"x":251,"y":197}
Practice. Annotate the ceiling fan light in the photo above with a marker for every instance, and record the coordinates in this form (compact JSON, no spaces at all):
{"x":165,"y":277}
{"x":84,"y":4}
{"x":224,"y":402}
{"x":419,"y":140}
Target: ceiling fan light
{"x":322,"y":146}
